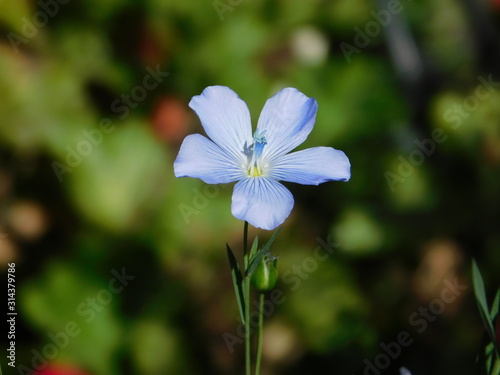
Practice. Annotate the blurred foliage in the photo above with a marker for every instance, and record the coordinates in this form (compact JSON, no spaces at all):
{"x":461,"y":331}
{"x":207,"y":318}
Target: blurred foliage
{"x":73,"y":97}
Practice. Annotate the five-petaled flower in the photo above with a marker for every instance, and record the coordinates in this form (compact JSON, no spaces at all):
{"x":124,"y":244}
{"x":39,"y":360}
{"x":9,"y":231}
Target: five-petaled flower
{"x":258,"y":162}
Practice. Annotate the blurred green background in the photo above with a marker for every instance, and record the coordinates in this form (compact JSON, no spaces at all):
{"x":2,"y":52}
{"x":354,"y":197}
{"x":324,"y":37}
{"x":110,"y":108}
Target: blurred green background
{"x":87,"y":190}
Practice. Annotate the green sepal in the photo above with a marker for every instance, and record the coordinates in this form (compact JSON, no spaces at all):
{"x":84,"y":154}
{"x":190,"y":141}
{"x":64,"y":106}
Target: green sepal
{"x":254,"y":248}
{"x":254,"y":262}
{"x":237,"y":282}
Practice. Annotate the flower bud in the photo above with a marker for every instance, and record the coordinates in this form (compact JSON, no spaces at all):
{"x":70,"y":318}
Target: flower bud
{"x":265,"y":276}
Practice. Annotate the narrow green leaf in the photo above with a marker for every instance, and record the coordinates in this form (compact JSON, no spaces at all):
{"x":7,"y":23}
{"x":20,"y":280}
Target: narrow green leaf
{"x":494,"y":313}
{"x":254,"y":262}
{"x":480,"y":293}
{"x":484,"y":311}
{"x":487,"y":361}
{"x":489,"y":351}
{"x":480,"y":368}
{"x":237,"y":282}
{"x":496,"y":366}
{"x":495,"y":309}
{"x":484,"y":360}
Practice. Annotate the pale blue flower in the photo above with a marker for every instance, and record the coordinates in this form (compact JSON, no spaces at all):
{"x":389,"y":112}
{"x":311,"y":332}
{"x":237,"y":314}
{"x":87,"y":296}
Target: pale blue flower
{"x":258,"y":162}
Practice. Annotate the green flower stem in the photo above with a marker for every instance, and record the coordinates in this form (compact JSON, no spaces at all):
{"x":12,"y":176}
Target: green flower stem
{"x":259,"y":339}
{"x":247,"y":326}
{"x":246,"y":296}
{"x":245,"y":242}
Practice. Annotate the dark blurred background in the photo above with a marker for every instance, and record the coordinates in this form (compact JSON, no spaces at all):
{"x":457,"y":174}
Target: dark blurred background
{"x":121,"y":268}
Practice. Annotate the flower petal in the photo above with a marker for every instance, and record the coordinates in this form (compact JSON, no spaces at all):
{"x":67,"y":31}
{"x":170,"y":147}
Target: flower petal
{"x":312,"y":166}
{"x":200,"y":158}
{"x":288,"y":118}
{"x":262,"y":202}
{"x":225,"y":118}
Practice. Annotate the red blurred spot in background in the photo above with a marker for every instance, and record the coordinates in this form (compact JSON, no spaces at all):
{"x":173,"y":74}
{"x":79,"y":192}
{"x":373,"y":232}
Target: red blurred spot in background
{"x":150,"y":49}
{"x":170,"y":120}
{"x":62,"y":370}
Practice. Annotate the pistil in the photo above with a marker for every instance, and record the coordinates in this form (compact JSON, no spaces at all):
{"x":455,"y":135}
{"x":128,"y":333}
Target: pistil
{"x":260,"y":141}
